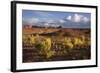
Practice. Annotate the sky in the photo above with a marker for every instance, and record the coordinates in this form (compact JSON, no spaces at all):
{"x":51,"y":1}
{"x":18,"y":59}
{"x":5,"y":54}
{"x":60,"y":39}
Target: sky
{"x":56,"y":18}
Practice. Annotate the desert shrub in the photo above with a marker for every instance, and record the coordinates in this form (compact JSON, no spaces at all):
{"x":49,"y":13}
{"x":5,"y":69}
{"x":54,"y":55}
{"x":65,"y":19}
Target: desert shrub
{"x":32,"y":40}
{"x":45,"y":46}
{"x":25,"y":39}
{"x":48,"y":43}
{"x":49,"y":52}
{"x":68,"y":43}
{"x":40,"y":45}
{"x":79,"y":42}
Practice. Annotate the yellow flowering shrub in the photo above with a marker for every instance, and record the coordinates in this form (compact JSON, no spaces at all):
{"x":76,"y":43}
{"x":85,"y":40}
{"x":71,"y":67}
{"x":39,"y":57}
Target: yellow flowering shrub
{"x":24,"y":39}
{"x":68,"y":43}
{"x":32,"y":40}
{"x":78,"y":41}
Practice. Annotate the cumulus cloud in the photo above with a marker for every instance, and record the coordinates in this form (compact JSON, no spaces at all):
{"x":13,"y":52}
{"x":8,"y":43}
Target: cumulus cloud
{"x":77,"y":18}
{"x":69,"y":18}
{"x":85,"y":19}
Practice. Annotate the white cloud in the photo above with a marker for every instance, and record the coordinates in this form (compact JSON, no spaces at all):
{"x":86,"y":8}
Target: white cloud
{"x":85,"y":19}
{"x":61,"y":21}
{"x":46,"y":24}
{"x":50,"y":21}
{"x":77,"y":18}
{"x":69,"y":18}
{"x":33,"y":20}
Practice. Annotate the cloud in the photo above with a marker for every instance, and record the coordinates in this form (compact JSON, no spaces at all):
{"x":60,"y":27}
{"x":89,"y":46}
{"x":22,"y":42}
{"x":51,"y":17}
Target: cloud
{"x":69,"y":18}
{"x":33,"y":20}
{"x":52,"y":23}
{"x":40,"y":22}
{"x":85,"y":19}
{"x":30,"y":21}
{"x":62,"y":21}
{"x":77,"y":18}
